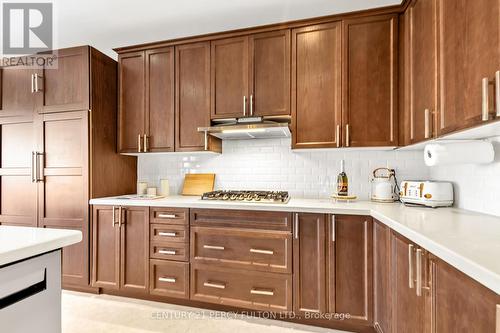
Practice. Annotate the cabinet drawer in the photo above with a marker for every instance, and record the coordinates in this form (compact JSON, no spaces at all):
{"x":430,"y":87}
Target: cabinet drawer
{"x":241,"y":288}
{"x":241,"y":219}
{"x":169,"y":251}
{"x":169,"y":215}
{"x":169,"y":233}
{"x":240,"y":248}
{"x":169,"y":278}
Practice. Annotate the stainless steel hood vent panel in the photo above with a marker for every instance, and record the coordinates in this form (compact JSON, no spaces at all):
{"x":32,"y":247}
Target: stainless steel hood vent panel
{"x":250,"y":128}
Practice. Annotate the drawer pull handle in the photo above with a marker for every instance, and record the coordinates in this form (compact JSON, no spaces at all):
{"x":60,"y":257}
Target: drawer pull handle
{"x":262,"y":251}
{"x":167,"y":234}
{"x":172,"y":252}
{"x":167,"y":216}
{"x":167,"y":279}
{"x":262,"y":292}
{"x":214,"y":285}
{"x":214,"y":247}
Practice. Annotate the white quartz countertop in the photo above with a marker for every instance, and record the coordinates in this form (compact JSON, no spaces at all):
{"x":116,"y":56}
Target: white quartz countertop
{"x":467,"y":240}
{"x":18,"y":243}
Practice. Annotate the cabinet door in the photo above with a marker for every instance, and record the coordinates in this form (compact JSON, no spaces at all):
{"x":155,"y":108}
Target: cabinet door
{"x":134,"y":253}
{"x":270,"y":73}
{"x":423,"y":73}
{"x":382,"y":285}
{"x":316,"y":86}
{"x":16,"y":97}
{"x":18,"y":201}
{"x":469,"y":51}
{"x":309,"y":255}
{"x":105,"y":247}
{"x":192,"y":95}
{"x":229,"y":71}
{"x":353,"y":280}
{"x":462,"y":304}
{"x":409,"y":311}
{"x":66,"y":87}
{"x":63,"y":190}
{"x":131,"y":117}
{"x":370,"y":81}
{"x":160,"y":76}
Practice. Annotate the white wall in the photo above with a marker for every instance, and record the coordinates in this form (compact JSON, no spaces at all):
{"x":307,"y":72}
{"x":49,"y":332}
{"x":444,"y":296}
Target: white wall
{"x":477,"y":187}
{"x":272,"y":165}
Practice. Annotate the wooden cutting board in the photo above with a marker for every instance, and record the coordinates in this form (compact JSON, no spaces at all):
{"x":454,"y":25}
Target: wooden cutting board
{"x":198,"y":183}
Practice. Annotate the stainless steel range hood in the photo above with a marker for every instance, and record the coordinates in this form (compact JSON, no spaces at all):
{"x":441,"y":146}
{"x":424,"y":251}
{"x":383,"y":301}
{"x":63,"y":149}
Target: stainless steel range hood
{"x":274,"y":127}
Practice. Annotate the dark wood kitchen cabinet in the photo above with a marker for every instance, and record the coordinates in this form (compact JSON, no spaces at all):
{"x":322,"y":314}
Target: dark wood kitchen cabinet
{"x":469,"y":51}
{"x":17,"y":97}
{"x":56,"y":160}
{"x":120,"y":251}
{"x":18,"y":190}
{"x":316,"y":86}
{"x":192,"y":98}
{"x":65,"y":88}
{"x":147,"y":92}
{"x":370,"y":81}
{"x":382,"y":286}
{"x":251,"y":75}
{"x":421,"y":31}
{"x":310,"y":258}
{"x":132,"y":112}
{"x":333,"y":265}
{"x":461,"y":304}
{"x":410,"y":312}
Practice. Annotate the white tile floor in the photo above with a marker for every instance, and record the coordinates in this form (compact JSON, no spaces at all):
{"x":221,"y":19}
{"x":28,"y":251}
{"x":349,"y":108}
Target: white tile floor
{"x":86,"y":313}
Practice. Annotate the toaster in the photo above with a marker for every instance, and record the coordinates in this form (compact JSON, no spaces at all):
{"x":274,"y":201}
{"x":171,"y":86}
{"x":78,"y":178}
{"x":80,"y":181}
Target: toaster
{"x":426,"y":193}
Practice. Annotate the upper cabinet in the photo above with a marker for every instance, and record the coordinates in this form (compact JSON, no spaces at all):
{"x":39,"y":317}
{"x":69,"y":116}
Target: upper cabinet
{"x":469,"y":56}
{"x":251,"y":75}
{"x":316,"y":86}
{"x":421,"y":31}
{"x":64,"y":86}
{"x":370,"y":112}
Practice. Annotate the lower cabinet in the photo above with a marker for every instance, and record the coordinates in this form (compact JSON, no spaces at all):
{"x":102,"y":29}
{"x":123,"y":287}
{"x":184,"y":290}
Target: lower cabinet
{"x":169,"y":278}
{"x":120,"y":251}
{"x":382,"y":285}
{"x":333,"y":265}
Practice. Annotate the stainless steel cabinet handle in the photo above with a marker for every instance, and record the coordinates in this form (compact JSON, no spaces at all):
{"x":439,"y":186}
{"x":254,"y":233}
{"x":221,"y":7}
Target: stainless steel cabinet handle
{"x":33,"y":167}
{"x":215,"y":285}
{"x":171,"y":252}
{"x":39,"y":167}
{"x":485,"y":106}
{"x":167,"y":234}
{"x":138,"y":143}
{"x":36,"y":77}
{"x":410,"y":266}
{"x":119,"y":217}
{"x":251,"y":105}
{"x":333,"y":228}
{"x":296,"y":226}
{"x":145,"y":143}
{"x":261,"y":292}
{"x":347,"y":138}
{"x":337,"y":135}
{"x":497,"y":92}
{"x":167,"y":216}
{"x":167,"y":279}
{"x":262,"y":251}
{"x":113,"y":220}
{"x":206,"y":140}
{"x":427,"y":117}
{"x":32,"y":83}
{"x":214,"y":247}
{"x":244,"y":106}
{"x":419,"y":272}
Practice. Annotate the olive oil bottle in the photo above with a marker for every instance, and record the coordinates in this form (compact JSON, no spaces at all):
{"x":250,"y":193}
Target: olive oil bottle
{"x":342,"y":181}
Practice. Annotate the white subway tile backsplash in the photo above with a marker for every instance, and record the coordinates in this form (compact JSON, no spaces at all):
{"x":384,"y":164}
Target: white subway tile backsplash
{"x":272,"y":165}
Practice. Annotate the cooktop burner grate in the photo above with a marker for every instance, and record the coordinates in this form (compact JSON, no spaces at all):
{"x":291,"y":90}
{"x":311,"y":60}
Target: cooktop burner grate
{"x":248,"y":196}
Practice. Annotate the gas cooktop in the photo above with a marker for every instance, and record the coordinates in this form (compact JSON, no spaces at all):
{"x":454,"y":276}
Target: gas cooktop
{"x":248,"y":196}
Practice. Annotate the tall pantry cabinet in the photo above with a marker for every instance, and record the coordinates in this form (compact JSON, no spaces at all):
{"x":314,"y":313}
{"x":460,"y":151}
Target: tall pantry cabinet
{"x":58,"y":148}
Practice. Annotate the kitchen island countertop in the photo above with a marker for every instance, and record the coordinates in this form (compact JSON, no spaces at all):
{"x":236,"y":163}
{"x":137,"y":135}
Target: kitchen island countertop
{"x":467,"y":240}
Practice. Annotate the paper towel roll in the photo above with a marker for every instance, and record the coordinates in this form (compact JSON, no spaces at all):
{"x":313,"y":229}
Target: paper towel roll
{"x":466,"y":152}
